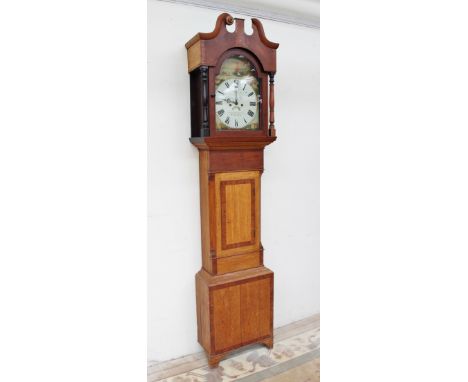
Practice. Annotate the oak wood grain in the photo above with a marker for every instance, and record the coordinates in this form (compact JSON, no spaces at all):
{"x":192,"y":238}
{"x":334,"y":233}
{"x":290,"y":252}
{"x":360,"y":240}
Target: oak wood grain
{"x":255,"y":309}
{"x":239,"y":262}
{"x":203,"y":312}
{"x":206,"y":237}
{"x":194,"y":56}
{"x":226,"y":317}
{"x":238,"y":212}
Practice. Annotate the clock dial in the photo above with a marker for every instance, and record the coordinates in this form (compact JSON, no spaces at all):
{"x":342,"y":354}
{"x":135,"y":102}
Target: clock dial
{"x":236,"y":103}
{"x":237,"y":95}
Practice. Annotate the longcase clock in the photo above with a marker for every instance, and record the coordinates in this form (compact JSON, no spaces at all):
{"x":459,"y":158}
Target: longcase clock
{"x":232,"y":120}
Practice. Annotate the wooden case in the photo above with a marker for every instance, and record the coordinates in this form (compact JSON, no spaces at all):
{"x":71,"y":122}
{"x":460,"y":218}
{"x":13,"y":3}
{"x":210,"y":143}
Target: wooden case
{"x":234,"y":289}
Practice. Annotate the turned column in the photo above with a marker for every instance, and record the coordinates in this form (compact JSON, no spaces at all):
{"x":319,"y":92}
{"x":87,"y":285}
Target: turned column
{"x":271,"y":129}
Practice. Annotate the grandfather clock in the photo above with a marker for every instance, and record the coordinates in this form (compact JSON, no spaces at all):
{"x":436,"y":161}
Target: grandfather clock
{"x":232,"y":120}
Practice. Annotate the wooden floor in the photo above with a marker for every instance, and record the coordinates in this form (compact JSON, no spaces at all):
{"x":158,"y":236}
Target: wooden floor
{"x":294,"y":357}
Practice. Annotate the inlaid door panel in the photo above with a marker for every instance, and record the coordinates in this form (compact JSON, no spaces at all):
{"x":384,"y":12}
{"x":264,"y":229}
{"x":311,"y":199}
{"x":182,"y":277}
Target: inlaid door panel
{"x":256,"y":309}
{"x":226,"y":318}
{"x":237,"y":197}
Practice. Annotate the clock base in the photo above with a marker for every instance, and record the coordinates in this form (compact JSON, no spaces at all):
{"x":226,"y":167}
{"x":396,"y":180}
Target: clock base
{"x":234,"y":310}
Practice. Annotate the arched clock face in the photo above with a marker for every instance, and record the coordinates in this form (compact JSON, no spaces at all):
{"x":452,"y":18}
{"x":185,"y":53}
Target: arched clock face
{"x":237,"y":95}
{"x":236,"y":103}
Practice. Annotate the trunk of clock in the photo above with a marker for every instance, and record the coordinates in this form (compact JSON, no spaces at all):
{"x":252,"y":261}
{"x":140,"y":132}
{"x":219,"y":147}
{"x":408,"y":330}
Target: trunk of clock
{"x":234,"y":289}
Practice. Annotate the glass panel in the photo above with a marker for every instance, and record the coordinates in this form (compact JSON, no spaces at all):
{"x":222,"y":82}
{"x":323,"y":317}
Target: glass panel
{"x":237,"y":95}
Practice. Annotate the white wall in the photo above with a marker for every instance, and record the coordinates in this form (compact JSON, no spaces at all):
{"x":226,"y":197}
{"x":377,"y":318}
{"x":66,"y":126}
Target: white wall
{"x":290,"y":183}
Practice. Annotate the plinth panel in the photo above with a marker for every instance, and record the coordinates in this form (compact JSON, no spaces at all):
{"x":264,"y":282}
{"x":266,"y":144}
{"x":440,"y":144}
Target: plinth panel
{"x":235,"y":309}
